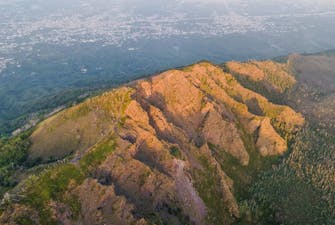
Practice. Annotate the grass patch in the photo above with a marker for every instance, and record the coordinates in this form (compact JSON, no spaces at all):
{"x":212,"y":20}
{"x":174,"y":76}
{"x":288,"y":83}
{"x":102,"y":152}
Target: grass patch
{"x":187,"y":69}
{"x":24,"y":220}
{"x":176,"y":152}
{"x":50,"y":185}
{"x":207,"y":184}
{"x":56,"y":183}
{"x":243,"y":176}
{"x":81,"y":110}
{"x":154,"y":219}
{"x":97,"y":155}
{"x":72,"y":201}
{"x":13,"y":155}
{"x":260,"y":87}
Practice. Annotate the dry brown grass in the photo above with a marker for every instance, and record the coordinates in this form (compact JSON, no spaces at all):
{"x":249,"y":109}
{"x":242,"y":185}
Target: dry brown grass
{"x":272,"y":75}
{"x":246,"y":69}
{"x":79,"y":127}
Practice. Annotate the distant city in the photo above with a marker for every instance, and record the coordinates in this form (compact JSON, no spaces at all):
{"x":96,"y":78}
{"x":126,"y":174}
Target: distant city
{"x":25,"y":24}
{"x":54,"y":51}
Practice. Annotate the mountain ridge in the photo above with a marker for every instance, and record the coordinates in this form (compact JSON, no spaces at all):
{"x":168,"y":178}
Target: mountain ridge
{"x":172,"y":133}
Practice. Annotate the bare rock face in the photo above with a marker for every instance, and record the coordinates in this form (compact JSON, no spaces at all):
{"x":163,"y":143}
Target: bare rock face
{"x":175,"y":134}
{"x":225,"y":135}
{"x":181,"y":101}
{"x":135,"y":112}
{"x":101,"y":205}
{"x":269,"y":142}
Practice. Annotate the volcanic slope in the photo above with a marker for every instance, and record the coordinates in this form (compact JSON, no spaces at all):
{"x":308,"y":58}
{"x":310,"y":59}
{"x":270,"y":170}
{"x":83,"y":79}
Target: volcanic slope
{"x":176,"y":148}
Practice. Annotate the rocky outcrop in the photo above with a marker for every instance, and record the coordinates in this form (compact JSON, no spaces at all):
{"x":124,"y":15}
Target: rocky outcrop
{"x":100,"y":204}
{"x":225,"y":135}
{"x":168,"y":130}
{"x":269,"y":141}
{"x":273,"y":76}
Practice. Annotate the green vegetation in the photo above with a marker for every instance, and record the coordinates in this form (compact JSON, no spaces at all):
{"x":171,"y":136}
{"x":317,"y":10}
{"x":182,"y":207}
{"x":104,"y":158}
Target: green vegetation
{"x":187,"y":69}
{"x":113,"y":103}
{"x":243,"y":176}
{"x":72,"y":201}
{"x":178,"y":212}
{"x":154,"y":219}
{"x":283,"y":83}
{"x":275,"y":85}
{"x":81,"y":111}
{"x":259,"y":87}
{"x":190,"y":68}
{"x":207,"y":183}
{"x":24,"y":220}
{"x":13,"y":155}
{"x":282,"y":197}
{"x":33,"y":107}
{"x":50,"y":185}
{"x":57,"y":183}
{"x":205,"y":85}
{"x":97,"y":155}
{"x":176,"y":152}
{"x":300,"y":189}
{"x":14,"y":150}
{"x":297,"y":188}
{"x":107,"y":110}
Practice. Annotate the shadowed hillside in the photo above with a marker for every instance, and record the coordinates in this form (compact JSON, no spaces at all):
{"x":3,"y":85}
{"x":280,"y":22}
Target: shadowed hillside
{"x":300,"y":190}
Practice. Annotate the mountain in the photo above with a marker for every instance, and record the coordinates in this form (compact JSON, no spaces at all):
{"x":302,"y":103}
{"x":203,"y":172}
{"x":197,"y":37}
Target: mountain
{"x":56,"y":56}
{"x":204,"y":144}
{"x":299,"y":190}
